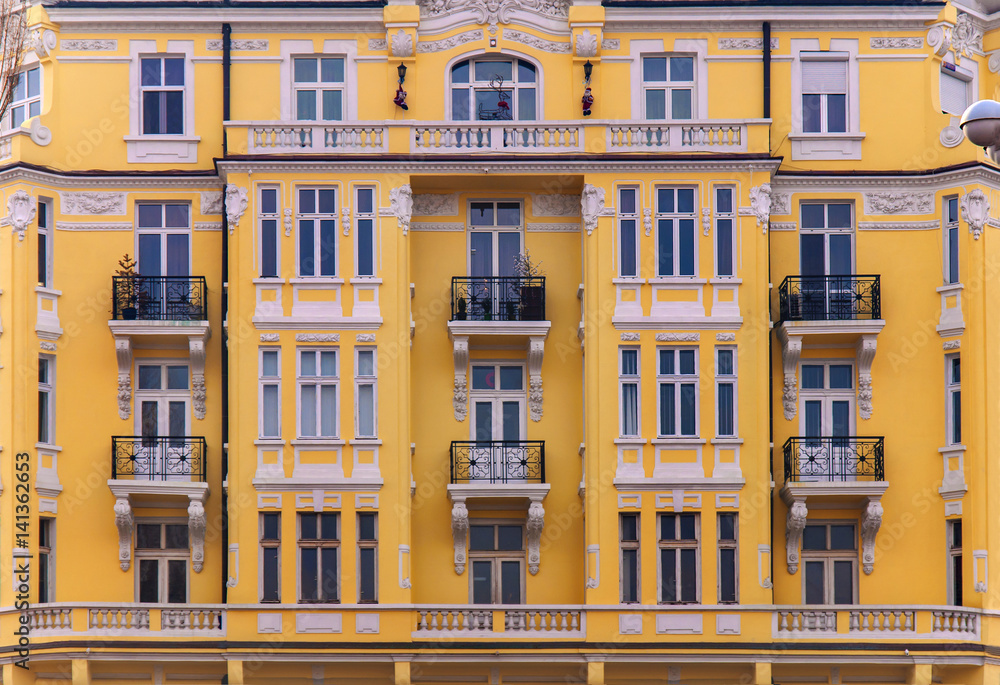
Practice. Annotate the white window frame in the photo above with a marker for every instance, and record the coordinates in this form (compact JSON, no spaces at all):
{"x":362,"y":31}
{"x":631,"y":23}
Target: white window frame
{"x":722,"y":379}
{"x":826,"y":146}
{"x":318,"y":87}
{"x":45,"y":247}
{"x":951,"y":227}
{"x":698,"y":47}
{"x":825,"y":57}
{"x":348,"y":49}
{"x":635,"y":545}
{"x":163,"y":87}
{"x":720,"y":217}
{"x":629,"y":379}
{"x":269,"y":217}
{"x":675,"y":217}
{"x":623,"y":219}
{"x":316,"y":217}
{"x":161,"y":148}
{"x":365,"y":381}
{"x":162,"y":555}
{"x":953,"y":394}
{"x":367,"y":544}
{"x":47,"y":559}
{"x":318,"y":544}
{"x":372,"y":217}
{"x":678,"y":545}
{"x":734,"y":545}
{"x":27,"y":100}
{"x":317,"y":381}
{"x":954,"y":551}
{"x":473,"y":85}
{"x":828,"y":557}
{"x":265,"y":381}
{"x":268,"y":543}
{"x":670,"y":86}
{"x":48,"y":387}
{"x":678,"y":379}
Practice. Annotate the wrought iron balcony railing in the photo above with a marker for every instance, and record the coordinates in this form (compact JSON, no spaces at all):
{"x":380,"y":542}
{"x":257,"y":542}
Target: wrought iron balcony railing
{"x":160,"y":298}
{"x":830,"y":298}
{"x":498,"y":461}
{"x":839,"y":459}
{"x":498,"y":298}
{"x":138,"y":457}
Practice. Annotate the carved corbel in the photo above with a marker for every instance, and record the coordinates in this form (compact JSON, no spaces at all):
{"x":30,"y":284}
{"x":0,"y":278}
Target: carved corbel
{"x":401,"y":205}
{"x":459,"y":530}
{"x":236,"y":204}
{"x":536,"y":521}
{"x":760,"y":203}
{"x":196,"y":348}
{"x":124,"y":521}
{"x":591,"y":206}
{"x":791,"y":350}
{"x":975,"y":211}
{"x":123,"y":352}
{"x":866,"y":355}
{"x":461,"y":398}
{"x":795,"y":524}
{"x":196,"y":532}
{"x":21,"y":208}
{"x":871,"y":521}
{"x":536,"y":350}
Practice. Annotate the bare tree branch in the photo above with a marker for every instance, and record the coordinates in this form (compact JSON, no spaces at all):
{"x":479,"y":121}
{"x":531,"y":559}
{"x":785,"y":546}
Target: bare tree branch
{"x":13,"y":33}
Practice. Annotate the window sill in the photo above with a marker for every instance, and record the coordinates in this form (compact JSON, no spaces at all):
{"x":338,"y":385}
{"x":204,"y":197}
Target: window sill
{"x":951,"y":448}
{"x":687,"y":440}
{"x":47,"y":291}
{"x":365,"y":441}
{"x":269,"y":280}
{"x":157,"y":149}
{"x":366,"y":280}
{"x":49,"y":447}
{"x":826,"y":146}
{"x":269,"y":442}
{"x":631,"y":441}
{"x":318,"y":442}
{"x":677,"y":280}
{"x":725,"y":280}
{"x":316,"y":280}
{"x":628,"y":281}
{"x":727,"y":440}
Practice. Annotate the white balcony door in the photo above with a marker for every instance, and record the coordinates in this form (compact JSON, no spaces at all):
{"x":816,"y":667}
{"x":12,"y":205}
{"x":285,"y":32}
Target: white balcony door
{"x":163,"y":399}
{"x":494,"y":238}
{"x":827,"y":411}
{"x":498,"y":414}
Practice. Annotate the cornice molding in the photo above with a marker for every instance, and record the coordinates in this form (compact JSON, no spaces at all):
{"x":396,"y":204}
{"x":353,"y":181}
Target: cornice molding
{"x":101,"y":183}
{"x":189,"y":19}
{"x":935,"y":179}
{"x":749,"y":18}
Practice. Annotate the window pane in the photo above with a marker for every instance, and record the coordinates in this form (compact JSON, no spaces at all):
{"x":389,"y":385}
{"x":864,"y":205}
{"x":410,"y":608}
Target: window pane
{"x":332,"y":70}
{"x":305,"y":105}
{"x":839,"y":215}
{"x":269,"y":589}
{"x":150,"y":74}
{"x":687,"y":526}
{"x":305,"y":69}
{"x":511,"y":378}
{"x":815,"y":583}
{"x":308,"y":527}
{"x":174,"y":112}
{"x":328,"y":410}
{"x":307,"y":410}
{"x":481,"y":214}
{"x":307,"y":262}
{"x":668,"y":409}
{"x":836,"y":118}
{"x":309,"y":573}
{"x":841,"y":376}
{"x":481,"y":538}
{"x":509,"y":214}
{"x":842,"y":537}
{"x":149,"y":580}
{"x":328,"y":363}
{"x":269,"y":363}
{"x":269,"y":249}
{"x":366,"y":410}
{"x":149,"y":377}
{"x":688,"y":398}
{"x":366,"y":363}
{"x":460,"y":104}
{"x":724,"y":246}
{"x":812,"y":376}
{"x":727,"y":575}
{"x":176,"y":536}
{"x":668,"y":575}
{"x":814,"y":537}
{"x":656,"y":104}
{"x":328,"y":247}
{"x":482,"y":582}
{"x":812,"y":117}
{"x":956,"y":417}
{"x":665,"y":200}
{"x":333,"y":105}
{"x":34,"y":82}
{"x":686,"y":359}
{"x":329,"y":589}
{"x":366,"y":574}
{"x":626,"y":200}
{"x":685,"y":200}
{"x":525,"y":72}
{"x":953,"y":255}
{"x":629,"y":239}
{"x":630,"y":575}
{"x":630,"y":362}
{"x":176,"y":581}
{"x":668,"y":527}
{"x":726,"y":413}
{"x":173,"y":71}
{"x":725,"y":358}
{"x":630,"y":527}
{"x":956,"y":370}
{"x":328,"y":526}
{"x":727,"y":526}
{"x":460,"y":72}
{"x":666,"y":362}
{"x":147,"y":536}
{"x":151,"y":113}
{"x":723,"y":200}
{"x":366,"y":247}
{"x":271,"y":527}
{"x":687,"y":243}
{"x":177,"y":377}
{"x":526,"y":104}
{"x":176,"y":216}
{"x":843,"y":582}
{"x":487,"y":70}
{"x":366,"y":527}
{"x":813,"y":216}
{"x":654,"y":69}
{"x":509,"y":538}
{"x":665,"y":247}
{"x":269,"y":411}
{"x":630,"y":409}
{"x":483,"y":378}
{"x":682,"y":68}
{"x":510,"y":582}
{"x":680,"y":104}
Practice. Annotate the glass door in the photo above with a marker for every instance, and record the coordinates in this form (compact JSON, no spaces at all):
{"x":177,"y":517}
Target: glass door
{"x":498,"y":410}
{"x":826,"y":252}
{"x":164,"y":402}
{"x":494,"y":245}
{"x":828,"y":451}
{"x":164,"y":250}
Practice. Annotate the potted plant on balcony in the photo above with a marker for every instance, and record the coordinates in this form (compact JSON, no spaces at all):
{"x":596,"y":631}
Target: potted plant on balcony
{"x":531,"y":289}
{"x":127,"y":286}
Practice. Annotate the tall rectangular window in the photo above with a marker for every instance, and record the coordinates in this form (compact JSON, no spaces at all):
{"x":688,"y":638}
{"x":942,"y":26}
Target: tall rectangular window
{"x":318,"y":83}
{"x":269,"y":223}
{"x":45,"y":242}
{"x":725,"y":234}
{"x":46,"y":399}
{"x":317,"y":214}
{"x":317,"y":380}
{"x":319,"y":557}
{"x":678,"y":547}
{"x":830,"y":557}
{"x":728,"y":559}
{"x":496,"y":558}
{"x":668,"y":87}
{"x":162,"y":555}
{"x":162,"y":86}
{"x":365,"y":381}
{"x":955,"y":562}
{"x":46,"y":560}
{"x":628,"y":382}
{"x":26,"y":101}
{"x":628,"y":232}
{"x":367,"y":558}
{"x":628,"y":526}
{"x":824,"y":92}
{"x":676,"y":238}
{"x":270,"y":557}
{"x":270,"y":393}
{"x":951,"y":240}
{"x":725,"y":391}
{"x":953,"y":366}
{"x":364,"y":212}
{"x":677,"y":379}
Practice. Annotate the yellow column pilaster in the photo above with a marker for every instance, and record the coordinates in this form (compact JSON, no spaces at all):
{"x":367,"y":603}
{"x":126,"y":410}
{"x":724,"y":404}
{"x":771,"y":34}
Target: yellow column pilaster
{"x":15,"y":675}
{"x":762,"y":673}
{"x":920,"y":674}
{"x":235,"y":671}
{"x":81,"y":672}
{"x":402,"y":672}
{"x":595,"y":673}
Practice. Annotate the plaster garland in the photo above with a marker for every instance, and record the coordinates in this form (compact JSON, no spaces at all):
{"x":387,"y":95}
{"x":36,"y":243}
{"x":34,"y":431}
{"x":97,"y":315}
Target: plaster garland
{"x":317,"y":337}
{"x":123,"y":354}
{"x":460,"y":355}
{"x":269,"y":337}
{"x":93,"y":203}
{"x":897,"y":43}
{"x":196,"y":352}
{"x":898,"y":202}
{"x":365,"y":338}
{"x":678,"y":337}
{"x":21,"y":209}
{"x":242,"y":44}
{"x":446,"y":43}
{"x":536,"y":353}
{"x":89,"y":45}
{"x":537,"y":43}
{"x":725,"y":337}
{"x":791,"y":350}
{"x":745,"y":43}
{"x":236,"y":205}
{"x":630,"y":337}
{"x":866,"y":347}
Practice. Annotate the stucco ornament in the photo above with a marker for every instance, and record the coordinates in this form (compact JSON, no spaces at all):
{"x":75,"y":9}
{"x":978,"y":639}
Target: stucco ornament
{"x":21,"y":208}
{"x":975,"y":211}
{"x":647,"y":221}
{"x":760,"y":203}
{"x":124,"y":522}
{"x":196,"y":531}
{"x":459,"y":529}
{"x":535,"y":523}
{"x":288,"y":222}
{"x":401,"y":205}
{"x":402,"y":44}
{"x":586,"y":44}
{"x":871,"y":521}
{"x":966,"y":37}
{"x":795,"y":524}
{"x":41,"y":41}
{"x":495,"y":12}
{"x":345,"y":219}
{"x":236,"y":205}
{"x":591,"y":206}
{"x":460,"y":401}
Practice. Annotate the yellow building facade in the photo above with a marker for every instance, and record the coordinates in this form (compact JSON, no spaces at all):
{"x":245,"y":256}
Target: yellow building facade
{"x":468,"y":341}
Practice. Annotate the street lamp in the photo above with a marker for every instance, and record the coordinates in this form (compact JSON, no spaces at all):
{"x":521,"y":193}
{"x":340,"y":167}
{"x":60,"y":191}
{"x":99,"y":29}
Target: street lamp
{"x":981,"y":123}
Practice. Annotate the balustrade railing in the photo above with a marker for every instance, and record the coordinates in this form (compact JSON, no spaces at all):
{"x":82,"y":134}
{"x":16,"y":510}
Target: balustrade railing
{"x":842,"y":459}
{"x":497,"y":298}
{"x":140,"y":457}
{"x":159,"y":298}
{"x":830,"y":298}
{"x":498,"y":461}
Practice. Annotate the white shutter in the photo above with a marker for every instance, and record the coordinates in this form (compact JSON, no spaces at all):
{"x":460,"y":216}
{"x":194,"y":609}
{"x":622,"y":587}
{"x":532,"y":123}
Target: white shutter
{"x":954,"y":94}
{"x":824,"y":76}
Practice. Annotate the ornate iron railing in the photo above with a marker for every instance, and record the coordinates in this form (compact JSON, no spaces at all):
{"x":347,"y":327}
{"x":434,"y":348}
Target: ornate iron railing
{"x":498,"y":298}
{"x":834,"y":459}
{"x":158,"y":457}
{"x":498,"y":461}
{"x":830,"y":298}
{"x":160,"y":298}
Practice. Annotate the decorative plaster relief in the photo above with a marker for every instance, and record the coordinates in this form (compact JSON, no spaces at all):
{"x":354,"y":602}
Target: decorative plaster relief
{"x":794,"y":525}
{"x":745,"y":43}
{"x":725,"y":337}
{"x":678,"y":337}
{"x":211,"y":202}
{"x":534,"y":41}
{"x":791,"y":350}
{"x":647,"y":221}
{"x":760,"y":202}
{"x":459,"y":530}
{"x":401,"y":205}
{"x":236,"y":205}
{"x":555,"y":205}
{"x":93,"y":203}
{"x":269,"y":337}
{"x":586,"y":44}
{"x":255,"y":44}
{"x":898,"y":202}
{"x":402,"y":44}
{"x":536,"y":352}
{"x":966,"y":37}
{"x":914,"y":43}
{"x":42,"y":41}
{"x":124,"y":522}
{"x":317,"y":337}
{"x":378,"y":44}
{"x":461,"y":359}
{"x":610,"y":44}
{"x":446,"y":43}
{"x":196,"y":532}
{"x":781,"y":204}
{"x":288,"y":221}
{"x":345,"y":219}
{"x":535,"y":523}
{"x":21,"y":208}
{"x":630,"y":337}
{"x":495,"y":12}
{"x":939,"y":39}
{"x":89,"y":45}
{"x":435,"y":204}
{"x":866,"y":355}
{"x":196,"y":350}
{"x":123,"y":353}
{"x":871,"y":521}
{"x":591,"y":206}
{"x":975,"y":211}
{"x":706,"y":220}
{"x":365,"y":337}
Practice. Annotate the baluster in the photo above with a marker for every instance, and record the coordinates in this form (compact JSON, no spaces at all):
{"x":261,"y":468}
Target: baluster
{"x":855,"y":623}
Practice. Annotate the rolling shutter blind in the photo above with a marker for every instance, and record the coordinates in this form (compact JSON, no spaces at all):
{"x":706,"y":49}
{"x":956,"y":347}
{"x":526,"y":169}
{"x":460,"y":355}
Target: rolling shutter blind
{"x":954,"y":94}
{"x":824,"y":76}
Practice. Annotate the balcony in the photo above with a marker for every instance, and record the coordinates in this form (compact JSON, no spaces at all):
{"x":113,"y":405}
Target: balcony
{"x":159,"y":298}
{"x":498,"y":461}
{"x":498,"y":298}
{"x":841,"y":459}
{"x":830,"y":298}
{"x":158,"y":458}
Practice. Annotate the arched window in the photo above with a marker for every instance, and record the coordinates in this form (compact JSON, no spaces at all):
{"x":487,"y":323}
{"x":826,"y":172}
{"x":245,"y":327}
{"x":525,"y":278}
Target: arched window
{"x":491,"y":89}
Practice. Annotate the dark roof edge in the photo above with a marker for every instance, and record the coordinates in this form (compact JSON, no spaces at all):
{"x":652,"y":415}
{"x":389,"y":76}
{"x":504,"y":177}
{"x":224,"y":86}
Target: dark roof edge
{"x":765,"y":4}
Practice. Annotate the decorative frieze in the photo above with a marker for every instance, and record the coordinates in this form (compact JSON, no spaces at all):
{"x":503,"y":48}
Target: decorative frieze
{"x":783,"y":226}
{"x":555,"y":205}
{"x":317,"y":337}
{"x":437,"y":226}
{"x":898,"y":202}
{"x":47,"y":346}
{"x":107,"y":45}
{"x":745,"y":43}
{"x":94,"y":226}
{"x":545,"y":227}
{"x":211,"y":202}
{"x":678,"y":337}
{"x":898,"y":225}
{"x":725,"y":337}
{"x":378,"y":44}
{"x":897,"y":43}
{"x":269,"y":337}
{"x":610,"y":44}
{"x":630,"y":337}
{"x":435,"y":204}
{"x":951,"y":345}
{"x":239,"y":44}
{"x":93,"y":203}
{"x":534,"y":41}
{"x":365,"y":338}
{"x":444,"y":43}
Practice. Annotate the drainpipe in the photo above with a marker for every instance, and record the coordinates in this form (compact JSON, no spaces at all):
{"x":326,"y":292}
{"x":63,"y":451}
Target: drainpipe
{"x":766,"y":110}
{"x":226,"y":46}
